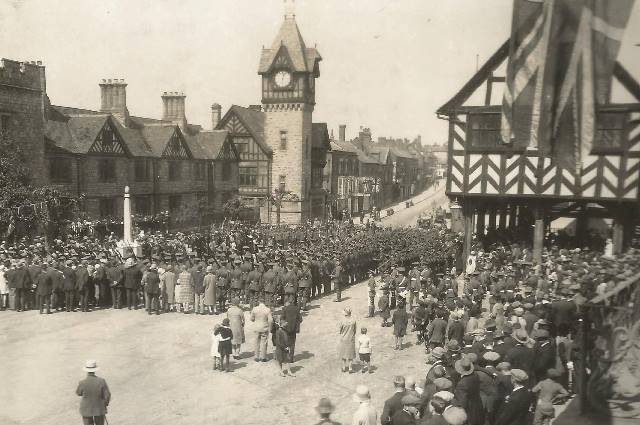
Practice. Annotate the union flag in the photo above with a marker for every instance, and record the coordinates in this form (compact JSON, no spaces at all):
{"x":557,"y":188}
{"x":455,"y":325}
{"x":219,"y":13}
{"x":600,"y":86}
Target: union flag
{"x":561,"y":62}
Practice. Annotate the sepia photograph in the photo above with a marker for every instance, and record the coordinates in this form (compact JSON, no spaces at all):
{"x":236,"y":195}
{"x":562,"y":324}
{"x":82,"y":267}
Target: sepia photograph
{"x":319,"y":212}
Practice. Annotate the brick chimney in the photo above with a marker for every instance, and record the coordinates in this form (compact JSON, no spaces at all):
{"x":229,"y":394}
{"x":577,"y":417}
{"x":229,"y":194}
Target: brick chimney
{"x":173,"y":108}
{"x":342,"y":133}
{"x":113,"y":99}
{"x":216,"y":115}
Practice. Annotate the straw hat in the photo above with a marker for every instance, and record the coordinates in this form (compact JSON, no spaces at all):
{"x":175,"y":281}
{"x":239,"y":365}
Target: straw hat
{"x":362,"y":394}
{"x":464,"y":366}
{"x":90,"y":366}
{"x":521,"y":336}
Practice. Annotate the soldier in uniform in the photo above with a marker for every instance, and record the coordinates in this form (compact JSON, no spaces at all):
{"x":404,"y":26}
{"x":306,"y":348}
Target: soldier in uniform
{"x":304,"y":285}
{"x":315,"y":266}
{"x":235,"y":276}
{"x":246,"y":268}
{"x":254,"y":285}
{"x":327,"y":271}
{"x":414,"y":284}
{"x":270,"y":285}
{"x":222,"y":283}
{"x":290,"y":282}
{"x":372,"y":294}
{"x":337,"y":277}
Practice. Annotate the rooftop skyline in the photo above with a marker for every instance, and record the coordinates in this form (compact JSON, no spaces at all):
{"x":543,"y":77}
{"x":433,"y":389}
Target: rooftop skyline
{"x":387,"y":65}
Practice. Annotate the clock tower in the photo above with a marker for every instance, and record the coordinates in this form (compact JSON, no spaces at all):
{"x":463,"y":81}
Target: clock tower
{"x":288,"y":70}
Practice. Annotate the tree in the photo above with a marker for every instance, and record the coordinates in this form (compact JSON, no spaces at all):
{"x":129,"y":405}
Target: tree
{"x":234,"y":207}
{"x":278,"y":197}
{"x":22,"y":203}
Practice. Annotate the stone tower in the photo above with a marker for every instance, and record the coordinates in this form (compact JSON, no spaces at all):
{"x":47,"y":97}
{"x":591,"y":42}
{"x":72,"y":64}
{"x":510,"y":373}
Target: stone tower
{"x":288,"y":71}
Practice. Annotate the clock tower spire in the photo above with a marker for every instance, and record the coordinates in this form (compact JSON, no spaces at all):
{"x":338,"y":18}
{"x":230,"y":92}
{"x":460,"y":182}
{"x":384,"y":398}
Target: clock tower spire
{"x":288,"y":70}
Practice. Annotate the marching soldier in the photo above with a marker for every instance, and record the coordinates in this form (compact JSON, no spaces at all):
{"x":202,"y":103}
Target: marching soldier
{"x":246,"y":268}
{"x":337,"y":277}
{"x":414,"y":284}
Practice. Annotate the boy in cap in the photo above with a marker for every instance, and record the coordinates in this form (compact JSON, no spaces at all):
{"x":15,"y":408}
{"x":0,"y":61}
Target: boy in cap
{"x":548,"y":392}
{"x":515,"y":407}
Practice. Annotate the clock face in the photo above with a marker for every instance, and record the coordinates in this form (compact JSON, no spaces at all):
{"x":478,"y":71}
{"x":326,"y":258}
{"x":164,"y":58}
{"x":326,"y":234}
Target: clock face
{"x":283,"y":79}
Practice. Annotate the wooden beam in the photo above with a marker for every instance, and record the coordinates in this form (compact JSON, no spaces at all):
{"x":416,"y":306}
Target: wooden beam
{"x":538,"y":233}
{"x":487,"y":97}
{"x":626,"y":79}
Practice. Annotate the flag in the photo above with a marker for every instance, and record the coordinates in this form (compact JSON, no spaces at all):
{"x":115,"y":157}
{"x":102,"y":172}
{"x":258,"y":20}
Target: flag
{"x":561,"y":62}
{"x":523,"y":106}
{"x":587,"y":35}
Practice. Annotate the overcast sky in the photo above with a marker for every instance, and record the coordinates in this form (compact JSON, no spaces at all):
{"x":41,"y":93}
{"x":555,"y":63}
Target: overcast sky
{"x":388,"y":64}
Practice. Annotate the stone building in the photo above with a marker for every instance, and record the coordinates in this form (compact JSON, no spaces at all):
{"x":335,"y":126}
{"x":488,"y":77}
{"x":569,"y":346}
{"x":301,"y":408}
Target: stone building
{"x":279,"y":145}
{"x":169,"y":164}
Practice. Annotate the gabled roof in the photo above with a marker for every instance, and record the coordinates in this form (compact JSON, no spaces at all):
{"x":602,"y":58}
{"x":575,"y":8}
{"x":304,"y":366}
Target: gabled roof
{"x":320,"y":136}
{"x":344,"y":147}
{"x":382,"y":152}
{"x":210,"y":142}
{"x":157,"y":137}
{"x":252,"y":120}
{"x":303,"y":59}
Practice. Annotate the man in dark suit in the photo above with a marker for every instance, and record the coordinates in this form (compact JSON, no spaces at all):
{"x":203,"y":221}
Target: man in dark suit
{"x":521,"y":356}
{"x":22,"y":284}
{"x":515,"y":408}
{"x":95,"y":396}
{"x":544,"y":352}
{"x":44,"y":289}
{"x":393,"y":403}
{"x":132,"y":277}
{"x":291,"y":313}
{"x":82,"y":285}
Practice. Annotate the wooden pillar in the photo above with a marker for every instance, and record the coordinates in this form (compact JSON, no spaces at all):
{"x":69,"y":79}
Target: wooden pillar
{"x":513,"y":215}
{"x":618,"y":232}
{"x":467,"y":211}
{"x":480,"y":220}
{"x":538,"y":233}
{"x":492,"y":217}
{"x":502,"y":223}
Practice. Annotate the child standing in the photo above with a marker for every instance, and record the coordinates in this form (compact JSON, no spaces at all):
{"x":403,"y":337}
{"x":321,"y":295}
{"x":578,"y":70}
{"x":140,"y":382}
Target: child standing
{"x":364,"y":350}
{"x":224,"y":334}
{"x":215,"y":353}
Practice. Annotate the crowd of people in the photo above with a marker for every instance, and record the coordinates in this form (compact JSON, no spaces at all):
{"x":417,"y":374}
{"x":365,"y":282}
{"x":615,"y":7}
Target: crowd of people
{"x":499,"y":333}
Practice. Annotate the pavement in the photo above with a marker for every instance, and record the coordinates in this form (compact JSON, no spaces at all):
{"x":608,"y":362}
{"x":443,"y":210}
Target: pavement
{"x":159,"y":370}
{"x":423,"y":203}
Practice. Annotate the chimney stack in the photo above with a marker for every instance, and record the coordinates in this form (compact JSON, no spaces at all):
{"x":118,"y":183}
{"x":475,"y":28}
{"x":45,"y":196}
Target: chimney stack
{"x":173,"y":108}
{"x":113,"y":99}
{"x":216,"y":115}
{"x":342,"y":134}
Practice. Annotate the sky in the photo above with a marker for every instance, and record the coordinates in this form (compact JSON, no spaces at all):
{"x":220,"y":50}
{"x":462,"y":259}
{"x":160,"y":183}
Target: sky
{"x":387,"y":64}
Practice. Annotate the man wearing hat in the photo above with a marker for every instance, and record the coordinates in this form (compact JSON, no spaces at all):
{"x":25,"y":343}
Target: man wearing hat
{"x":304,"y":285}
{"x":83,"y":283}
{"x":44,"y":289}
{"x":95,"y":396}
{"x":21,"y":281}
{"x":337,"y":278}
{"x":514,"y":409}
{"x":521,"y":356}
{"x":467,"y":391}
{"x":325,"y":408}
{"x":366,"y":414}
{"x":410,"y":411}
{"x":152,"y":289}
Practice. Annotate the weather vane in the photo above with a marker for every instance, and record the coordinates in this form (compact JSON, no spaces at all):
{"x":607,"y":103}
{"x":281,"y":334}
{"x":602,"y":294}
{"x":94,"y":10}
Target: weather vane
{"x":289,"y":8}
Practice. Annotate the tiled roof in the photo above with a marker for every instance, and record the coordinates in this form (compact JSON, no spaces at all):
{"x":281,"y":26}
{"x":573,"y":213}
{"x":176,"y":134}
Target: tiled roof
{"x":382,"y":152}
{"x":343,"y":147}
{"x":320,"y":136}
{"x":157,"y":137}
{"x":303,"y":59}
{"x":211,"y":142}
{"x":254,"y":120}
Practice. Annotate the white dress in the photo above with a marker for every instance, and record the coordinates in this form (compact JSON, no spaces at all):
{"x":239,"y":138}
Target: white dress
{"x":4,"y":289}
{"x":215,"y":340}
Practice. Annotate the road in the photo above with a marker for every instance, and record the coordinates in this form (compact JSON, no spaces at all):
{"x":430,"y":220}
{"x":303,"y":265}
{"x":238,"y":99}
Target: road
{"x":423,"y":203}
{"x":159,"y":370}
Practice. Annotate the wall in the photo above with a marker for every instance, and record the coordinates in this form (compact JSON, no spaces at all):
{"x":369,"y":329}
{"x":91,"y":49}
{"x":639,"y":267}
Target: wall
{"x":22,"y":99}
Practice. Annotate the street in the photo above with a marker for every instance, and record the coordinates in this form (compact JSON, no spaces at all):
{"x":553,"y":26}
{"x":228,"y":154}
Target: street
{"x":159,"y":370}
{"x":425,"y":202}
